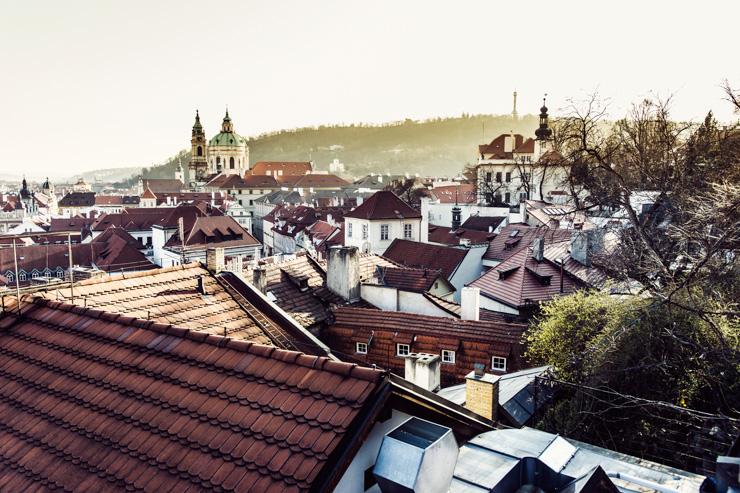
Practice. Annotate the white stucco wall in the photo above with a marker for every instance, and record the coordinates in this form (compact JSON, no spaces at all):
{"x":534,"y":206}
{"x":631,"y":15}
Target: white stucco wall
{"x":391,"y":299}
{"x":353,"y":480}
{"x":378,"y":246}
{"x":470,"y":269}
{"x":496,"y":306}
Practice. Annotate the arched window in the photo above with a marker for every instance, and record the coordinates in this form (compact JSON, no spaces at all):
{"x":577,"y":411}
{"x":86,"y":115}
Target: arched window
{"x":231,"y":162}
{"x":22,"y":276}
{"x":200,"y":151}
{"x":218,"y":159}
{"x":10,"y":276}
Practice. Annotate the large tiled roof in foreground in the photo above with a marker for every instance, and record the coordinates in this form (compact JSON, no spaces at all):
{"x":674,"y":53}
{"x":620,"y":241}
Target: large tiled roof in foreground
{"x":169,"y":295}
{"x":93,"y":401}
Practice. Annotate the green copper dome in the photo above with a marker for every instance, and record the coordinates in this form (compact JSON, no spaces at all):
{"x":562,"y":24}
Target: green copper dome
{"x":227,"y":139}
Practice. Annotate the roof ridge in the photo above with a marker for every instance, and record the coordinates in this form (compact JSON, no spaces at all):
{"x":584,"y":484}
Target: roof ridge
{"x":419,"y":315}
{"x":271,"y":352}
{"x":133,"y":275}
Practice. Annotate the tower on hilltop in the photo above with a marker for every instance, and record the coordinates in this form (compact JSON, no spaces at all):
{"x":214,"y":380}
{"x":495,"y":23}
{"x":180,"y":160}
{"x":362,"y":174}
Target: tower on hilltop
{"x":514,"y":113}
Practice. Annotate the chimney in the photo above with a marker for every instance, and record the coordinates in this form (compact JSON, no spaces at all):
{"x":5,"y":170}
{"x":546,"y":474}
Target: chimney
{"x":583,"y":244}
{"x":470,"y":303}
{"x":481,"y":392}
{"x":424,"y":236}
{"x":343,"y":272}
{"x":201,"y":287}
{"x":259,"y":278}
{"x":418,"y":455}
{"x":423,"y":370}
{"x":538,"y":249}
{"x":509,"y":143}
{"x":215,"y":260}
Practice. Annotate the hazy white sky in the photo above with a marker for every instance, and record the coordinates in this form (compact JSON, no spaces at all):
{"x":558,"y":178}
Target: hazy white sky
{"x":103,"y":83}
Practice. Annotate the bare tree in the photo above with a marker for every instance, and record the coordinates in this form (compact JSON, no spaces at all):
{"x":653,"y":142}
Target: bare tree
{"x":691,"y":172}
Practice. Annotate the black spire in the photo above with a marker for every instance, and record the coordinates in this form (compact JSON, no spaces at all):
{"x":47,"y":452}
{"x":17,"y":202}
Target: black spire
{"x":544,"y":132}
{"x":456,"y":215}
{"x":197,"y":125}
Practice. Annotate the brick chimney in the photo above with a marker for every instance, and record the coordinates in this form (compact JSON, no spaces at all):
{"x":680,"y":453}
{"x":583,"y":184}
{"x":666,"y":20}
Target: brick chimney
{"x":215,"y":260}
{"x":470,"y":303}
{"x":481,"y":393}
{"x":343,"y":272}
{"x":423,"y":370}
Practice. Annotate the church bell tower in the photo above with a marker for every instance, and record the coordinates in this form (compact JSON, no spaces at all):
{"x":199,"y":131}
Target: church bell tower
{"x":198,"y":161}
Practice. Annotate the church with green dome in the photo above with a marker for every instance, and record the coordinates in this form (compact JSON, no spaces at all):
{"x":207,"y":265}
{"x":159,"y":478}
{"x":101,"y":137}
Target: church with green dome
{"x":227,"y":152}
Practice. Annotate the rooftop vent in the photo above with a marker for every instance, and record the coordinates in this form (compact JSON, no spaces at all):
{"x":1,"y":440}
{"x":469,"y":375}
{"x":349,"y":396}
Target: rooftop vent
{"x":418,"y":456}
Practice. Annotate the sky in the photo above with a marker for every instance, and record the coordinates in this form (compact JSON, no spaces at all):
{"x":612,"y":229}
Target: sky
{"x":100,"y":84}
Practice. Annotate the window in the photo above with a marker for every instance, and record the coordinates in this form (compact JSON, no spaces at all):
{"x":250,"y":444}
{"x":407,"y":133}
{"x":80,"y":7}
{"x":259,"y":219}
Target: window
{"x":507,"y":197}
{"x":383,"y":231}
{"x":402,"y":349}
{"x":349,"y":230}
{"x":10,"y":276}
{"x":364,"y":231}
{"x":498,"y":177}
{"x":497,"y":198}
{"x":231,"y":162}
{"x":408,"y":230}
{"x":22,"y":276}
{"x":448,"y":356}
{"x":361,"y":348}
{"x":488,"y":177}
{"x":508,"y":176}
{"x":200,"y":151}
{"x":60,"y":273}
{"x":498,"y":363}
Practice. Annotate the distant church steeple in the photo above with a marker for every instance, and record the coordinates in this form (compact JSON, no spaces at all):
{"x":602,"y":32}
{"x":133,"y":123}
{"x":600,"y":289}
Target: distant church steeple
{"x":198,"y":161}
{"x":544,"y":132}
{"x":227,"y":126}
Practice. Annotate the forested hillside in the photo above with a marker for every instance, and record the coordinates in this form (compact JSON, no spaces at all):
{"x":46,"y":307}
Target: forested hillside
{"x":440,"y":146}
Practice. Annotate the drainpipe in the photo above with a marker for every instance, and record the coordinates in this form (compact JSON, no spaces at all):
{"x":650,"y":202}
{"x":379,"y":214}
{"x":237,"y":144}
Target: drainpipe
{"x":642,"y":482}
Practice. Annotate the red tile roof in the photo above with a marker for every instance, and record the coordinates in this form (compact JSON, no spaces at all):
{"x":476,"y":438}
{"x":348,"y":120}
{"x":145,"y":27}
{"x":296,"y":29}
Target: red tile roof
{"x":473,"y":341}
{"x":73,"y":224}
{"x":408,"y":279}
{"x":115,"y":254}
{"x":236,"y":182}
{"x":214,"y":231}
{"x":495,"y":150}
{"x":521,"y":281}
{"x":148,"y":194}
{"x":512,"y":237}
{"x":445,"y":236}
{"x":162,"y":185}
{"x":93,"y":401}
{"x":78,"y":199}
{"x":384,"y":205}
{"x":483,"y":223}
{"x":287,"y":168}
{"x":170,"y":295}
{"x":464,"y":193}
{"x":314,"y":180}
{"x":425,"y":256}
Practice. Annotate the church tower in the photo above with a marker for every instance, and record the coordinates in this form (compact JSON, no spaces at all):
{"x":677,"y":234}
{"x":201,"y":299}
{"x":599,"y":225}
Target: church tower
{"x":544,"y":132}
{"x":198,"y":161}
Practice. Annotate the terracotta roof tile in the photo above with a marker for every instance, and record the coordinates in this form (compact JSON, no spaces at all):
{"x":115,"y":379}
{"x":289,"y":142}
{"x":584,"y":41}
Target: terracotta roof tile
{"x":80,"y":407}
{"x":384,"y":205}
{"x":512,"y":237}
{"x":425,"y":256}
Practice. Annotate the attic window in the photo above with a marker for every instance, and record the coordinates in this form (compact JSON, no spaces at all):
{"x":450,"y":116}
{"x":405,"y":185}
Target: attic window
{"x":514,"y":233}
{"x":544,"y":279}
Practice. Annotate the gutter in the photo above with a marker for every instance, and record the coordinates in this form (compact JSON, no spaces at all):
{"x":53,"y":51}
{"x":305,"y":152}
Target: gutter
{"x":641,"y":482}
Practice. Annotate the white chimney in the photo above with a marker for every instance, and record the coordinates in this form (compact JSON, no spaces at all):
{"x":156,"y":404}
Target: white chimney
{"x":215,"y":260}
{"x":423,"y":370}
{"x":424,"y":233}
{"x":343,"y":272}
{"x":470,"y":303}
{"x":509,"y":143}
{"x":538,"y":249}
